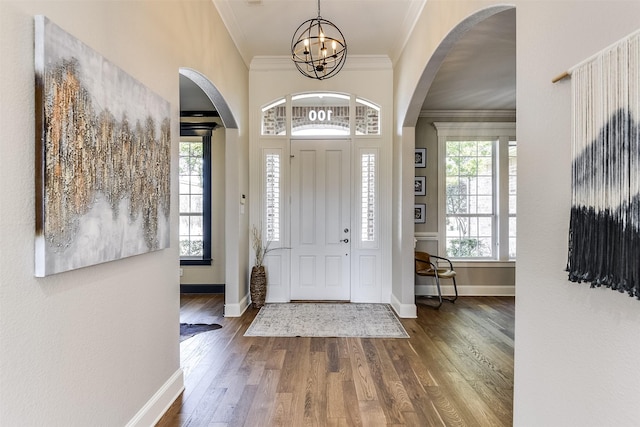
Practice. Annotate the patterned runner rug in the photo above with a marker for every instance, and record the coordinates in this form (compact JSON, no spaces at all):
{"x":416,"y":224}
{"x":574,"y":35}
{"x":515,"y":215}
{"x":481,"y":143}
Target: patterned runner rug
{"x":326,"y":320}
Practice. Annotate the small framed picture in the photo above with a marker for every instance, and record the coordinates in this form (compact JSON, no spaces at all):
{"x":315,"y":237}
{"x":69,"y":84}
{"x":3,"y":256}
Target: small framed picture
{"x":419,"y":186}
{"x":421,"y":158}
{"x":420,"y":213}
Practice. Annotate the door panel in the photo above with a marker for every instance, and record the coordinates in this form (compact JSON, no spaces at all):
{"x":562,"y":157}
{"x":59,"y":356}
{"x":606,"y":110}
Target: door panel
{"x":320,"y":220}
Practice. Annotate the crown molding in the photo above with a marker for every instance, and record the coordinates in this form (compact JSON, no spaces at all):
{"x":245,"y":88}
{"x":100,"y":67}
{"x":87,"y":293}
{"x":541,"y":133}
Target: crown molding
{"x":353,"y":63}
{"x":409,"y":24}
{"x":454,"y":114}
{"x":233,"y":28}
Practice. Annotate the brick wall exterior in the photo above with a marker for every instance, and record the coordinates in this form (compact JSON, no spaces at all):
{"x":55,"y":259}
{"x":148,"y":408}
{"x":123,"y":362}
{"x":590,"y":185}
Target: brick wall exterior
{"x":274,"y":120}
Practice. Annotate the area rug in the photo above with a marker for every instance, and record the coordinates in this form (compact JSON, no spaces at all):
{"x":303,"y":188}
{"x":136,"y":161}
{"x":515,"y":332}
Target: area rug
{"x":326,"y":320}
{"x":187,"y":330}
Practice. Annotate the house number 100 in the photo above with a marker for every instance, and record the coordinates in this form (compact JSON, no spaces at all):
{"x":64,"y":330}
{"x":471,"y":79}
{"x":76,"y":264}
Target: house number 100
{"x":320,"y":115}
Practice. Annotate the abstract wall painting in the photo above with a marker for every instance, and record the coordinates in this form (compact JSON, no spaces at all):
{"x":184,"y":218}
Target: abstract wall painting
{"x":604,"y":232}
{"x":102,"y":158}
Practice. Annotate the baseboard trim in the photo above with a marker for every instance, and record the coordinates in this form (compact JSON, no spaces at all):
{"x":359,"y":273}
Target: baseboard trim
{"x":236,"y":310}
{"x":405,"y":311}
{"x":202,"y":289}
{"x":468,"y":290}
{"x":155,"y":408}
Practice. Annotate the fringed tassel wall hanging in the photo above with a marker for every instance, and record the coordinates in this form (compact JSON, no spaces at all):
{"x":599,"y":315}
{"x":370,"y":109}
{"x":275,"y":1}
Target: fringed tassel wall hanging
{"x":604,"y":232}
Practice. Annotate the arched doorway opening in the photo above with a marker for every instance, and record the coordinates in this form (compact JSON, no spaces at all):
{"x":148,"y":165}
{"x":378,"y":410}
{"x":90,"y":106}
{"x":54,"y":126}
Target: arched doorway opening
{"x":206,"y":117}
{"x":440,"y":96}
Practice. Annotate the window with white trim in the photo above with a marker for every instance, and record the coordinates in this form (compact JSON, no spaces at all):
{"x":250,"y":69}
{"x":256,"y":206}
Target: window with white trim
{"x":321,"y":114}
{"x":314,"y":114}
{"x":272,"y":196}
{"x":367,"y":118}
{"x":478,"y":190}
{"x":368,"y":197}
{"x":469,"y":190}
{"x":274,"y":118}
{"x":513,"y":168}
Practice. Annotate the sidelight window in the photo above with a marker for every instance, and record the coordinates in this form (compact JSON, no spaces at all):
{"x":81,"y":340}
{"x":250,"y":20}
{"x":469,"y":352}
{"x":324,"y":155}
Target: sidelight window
{"x":368,"y":197}
{"x":272,"y":196}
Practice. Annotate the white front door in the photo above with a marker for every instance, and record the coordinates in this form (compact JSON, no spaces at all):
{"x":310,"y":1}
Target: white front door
{"x":320,"y":219}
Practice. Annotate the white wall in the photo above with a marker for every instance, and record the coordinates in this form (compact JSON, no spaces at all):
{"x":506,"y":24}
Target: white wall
{"x":93,"y":346}
{"x":577,"y":349}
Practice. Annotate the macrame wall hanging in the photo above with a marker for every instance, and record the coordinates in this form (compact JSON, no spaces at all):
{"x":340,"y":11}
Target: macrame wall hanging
{"x":604,"y":232}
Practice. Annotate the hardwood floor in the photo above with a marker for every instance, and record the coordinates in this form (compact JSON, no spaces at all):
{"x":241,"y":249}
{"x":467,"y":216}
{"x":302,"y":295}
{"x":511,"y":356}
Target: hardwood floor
{"x":456,"y":369}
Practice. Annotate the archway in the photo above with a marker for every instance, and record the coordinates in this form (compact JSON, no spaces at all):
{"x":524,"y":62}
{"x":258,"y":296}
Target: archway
{"x":231,"y":241}
{"x":436,"y":60}
{"x":407,"y":128}
{"x":213,"y":94}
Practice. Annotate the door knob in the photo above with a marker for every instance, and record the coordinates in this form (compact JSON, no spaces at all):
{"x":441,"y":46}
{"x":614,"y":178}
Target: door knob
{"x":345,"y":241}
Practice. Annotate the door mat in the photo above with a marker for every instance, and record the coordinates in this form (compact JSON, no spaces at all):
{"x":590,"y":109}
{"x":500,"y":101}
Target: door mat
{"x":326,"y":320}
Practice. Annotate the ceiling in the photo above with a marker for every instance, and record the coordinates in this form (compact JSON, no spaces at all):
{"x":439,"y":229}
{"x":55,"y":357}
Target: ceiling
{"x":192,"y":98}
{"x":371,"y":27}
{"x":477,"y":74}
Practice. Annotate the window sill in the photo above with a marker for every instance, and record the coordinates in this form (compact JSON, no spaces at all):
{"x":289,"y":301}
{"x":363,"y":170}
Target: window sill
{"x":196,"y":261}
{"x":460,"y":263}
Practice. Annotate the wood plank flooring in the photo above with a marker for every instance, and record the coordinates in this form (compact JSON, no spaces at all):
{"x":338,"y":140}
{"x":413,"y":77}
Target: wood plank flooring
{"x":456,"y":369}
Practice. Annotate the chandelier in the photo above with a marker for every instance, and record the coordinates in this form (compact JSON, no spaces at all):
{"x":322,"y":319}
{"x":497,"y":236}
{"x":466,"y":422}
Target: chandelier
{"x":318,"y":48}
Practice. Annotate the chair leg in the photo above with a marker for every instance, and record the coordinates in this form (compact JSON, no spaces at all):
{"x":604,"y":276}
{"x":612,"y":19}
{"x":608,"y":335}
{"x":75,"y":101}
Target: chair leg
{"x":455,"y":288}
{"x":438,"y":297}
{"x":439,"y":291}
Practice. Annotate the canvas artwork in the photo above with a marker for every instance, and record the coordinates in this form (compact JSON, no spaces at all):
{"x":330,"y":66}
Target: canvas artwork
{"x":102,"y":158}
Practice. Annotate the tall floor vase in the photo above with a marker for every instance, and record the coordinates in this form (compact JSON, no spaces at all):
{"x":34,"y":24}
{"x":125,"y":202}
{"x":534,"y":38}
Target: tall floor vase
{"x":258,"y":286}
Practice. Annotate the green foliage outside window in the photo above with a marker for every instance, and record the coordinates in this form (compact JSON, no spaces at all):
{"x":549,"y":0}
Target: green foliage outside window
{"x":191,"y":198}
{"x":469,"y":195}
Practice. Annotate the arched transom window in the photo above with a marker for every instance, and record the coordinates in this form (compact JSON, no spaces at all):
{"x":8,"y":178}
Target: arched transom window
{"x":321,"y":114}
